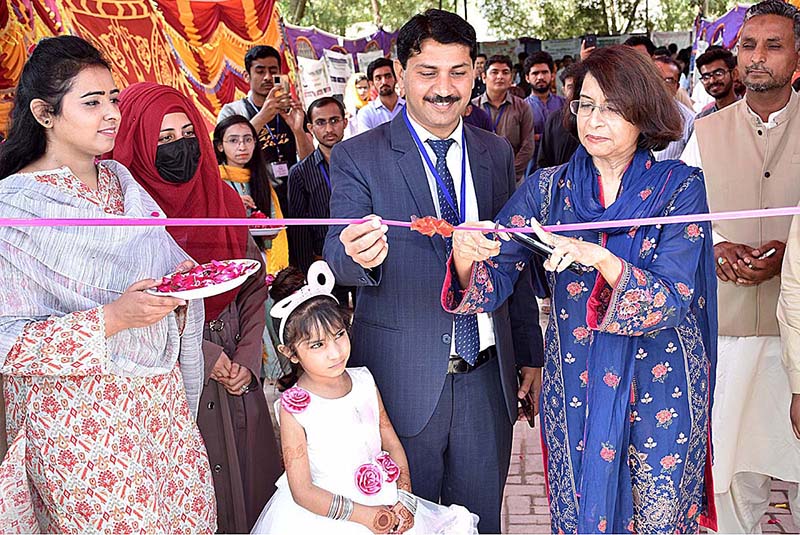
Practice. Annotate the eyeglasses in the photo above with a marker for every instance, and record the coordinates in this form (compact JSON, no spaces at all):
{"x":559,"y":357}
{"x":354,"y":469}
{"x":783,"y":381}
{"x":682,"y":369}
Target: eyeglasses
{"x":333,"y":121}
{"x":236,"y":140}
{"x":717,"y":74}
{"x":581,"y":108}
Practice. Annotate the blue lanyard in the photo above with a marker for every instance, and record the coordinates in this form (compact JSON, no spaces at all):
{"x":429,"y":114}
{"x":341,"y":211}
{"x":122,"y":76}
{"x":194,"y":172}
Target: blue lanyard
{"x":269,"y":130}
{"x":325,"y":175}
{"x":435,"y":173}
{"x":499,"y":114}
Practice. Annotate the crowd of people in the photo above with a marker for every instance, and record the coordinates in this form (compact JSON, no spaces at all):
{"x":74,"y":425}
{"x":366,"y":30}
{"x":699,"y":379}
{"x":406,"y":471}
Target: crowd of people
{"x":667,"y":380}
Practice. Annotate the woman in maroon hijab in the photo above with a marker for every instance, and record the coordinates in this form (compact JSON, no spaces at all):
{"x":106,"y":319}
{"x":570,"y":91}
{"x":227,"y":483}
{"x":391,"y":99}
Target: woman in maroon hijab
{"x":164,"y":142}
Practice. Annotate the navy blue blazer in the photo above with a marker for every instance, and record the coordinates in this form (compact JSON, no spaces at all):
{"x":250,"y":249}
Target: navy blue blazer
{"x":400,"y":330}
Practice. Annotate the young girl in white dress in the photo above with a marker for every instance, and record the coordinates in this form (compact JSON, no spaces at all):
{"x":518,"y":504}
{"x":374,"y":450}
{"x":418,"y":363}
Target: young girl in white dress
{"x":346,"y":471}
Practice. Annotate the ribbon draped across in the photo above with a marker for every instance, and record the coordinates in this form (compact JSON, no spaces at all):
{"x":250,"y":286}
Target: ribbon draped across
{"x":244,"y":222}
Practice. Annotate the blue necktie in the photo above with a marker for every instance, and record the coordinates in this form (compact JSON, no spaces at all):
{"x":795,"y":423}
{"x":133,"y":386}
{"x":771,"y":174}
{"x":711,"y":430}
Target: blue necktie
{"x":466,"y":326}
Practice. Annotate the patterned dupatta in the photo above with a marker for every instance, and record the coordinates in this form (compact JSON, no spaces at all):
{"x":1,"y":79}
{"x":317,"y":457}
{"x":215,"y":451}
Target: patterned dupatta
{"x":53,"y":271}
{"x":647,"y":188}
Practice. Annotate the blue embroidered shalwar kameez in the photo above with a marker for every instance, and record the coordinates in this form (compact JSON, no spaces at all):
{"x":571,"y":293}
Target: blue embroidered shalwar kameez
{"x":627,"y":380}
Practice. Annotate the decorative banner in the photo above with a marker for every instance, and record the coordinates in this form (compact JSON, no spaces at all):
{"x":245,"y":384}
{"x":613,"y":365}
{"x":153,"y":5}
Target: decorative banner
{"x":196,"y":46}
{"x":724,"y":31}
{"x":310,"y":42}
{"x":558,"y":48}
{"x":313,"y":79}
{"x":365,"y":58}
{"x":340,"y":68}
{"x":509,"y":47}
{"x":682,"y":39}
{"x":610,"y":40}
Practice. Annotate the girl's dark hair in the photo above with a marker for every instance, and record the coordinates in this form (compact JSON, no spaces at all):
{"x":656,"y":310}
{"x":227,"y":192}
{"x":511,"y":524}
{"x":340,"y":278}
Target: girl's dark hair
{"x":316,"y":316}
{"x":48,"y":75}
{"x":259,"y":174}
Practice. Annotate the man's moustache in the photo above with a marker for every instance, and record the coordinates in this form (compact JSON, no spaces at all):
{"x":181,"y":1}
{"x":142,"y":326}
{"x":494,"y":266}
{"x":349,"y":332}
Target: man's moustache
{"x":438,"y":99}
{"x":757,"y":68}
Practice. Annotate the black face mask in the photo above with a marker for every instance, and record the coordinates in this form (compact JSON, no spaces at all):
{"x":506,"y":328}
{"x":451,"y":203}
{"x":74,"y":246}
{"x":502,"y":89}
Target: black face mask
{"x":177,"y":162}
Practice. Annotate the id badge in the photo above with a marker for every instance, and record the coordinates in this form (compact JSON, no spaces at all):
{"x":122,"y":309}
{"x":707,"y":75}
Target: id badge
{"x":280,"y":170}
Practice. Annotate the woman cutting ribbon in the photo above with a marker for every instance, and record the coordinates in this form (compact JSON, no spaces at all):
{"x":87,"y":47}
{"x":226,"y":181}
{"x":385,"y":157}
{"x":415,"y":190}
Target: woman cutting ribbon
{"x":631,"y":342}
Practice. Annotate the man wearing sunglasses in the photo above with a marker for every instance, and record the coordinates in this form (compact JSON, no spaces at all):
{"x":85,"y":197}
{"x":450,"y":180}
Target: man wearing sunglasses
{"x":718,"y":74}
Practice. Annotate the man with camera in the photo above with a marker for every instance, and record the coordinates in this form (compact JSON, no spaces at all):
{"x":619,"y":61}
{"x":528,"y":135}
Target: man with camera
{"x":277,"y":117}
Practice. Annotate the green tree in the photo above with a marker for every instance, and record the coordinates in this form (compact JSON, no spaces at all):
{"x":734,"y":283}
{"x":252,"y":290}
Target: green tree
{"x":336,"y":16}
{"x":561,"y":19}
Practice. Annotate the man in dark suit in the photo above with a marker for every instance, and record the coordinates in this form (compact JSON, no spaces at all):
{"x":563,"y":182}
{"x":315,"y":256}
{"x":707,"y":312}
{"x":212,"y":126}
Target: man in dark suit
{"x":449,"y":385}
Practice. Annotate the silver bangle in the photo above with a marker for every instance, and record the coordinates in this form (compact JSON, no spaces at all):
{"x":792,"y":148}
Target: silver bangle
{"x":341,"y":508}
{"x":332,"y":510}
{"x":348,"y":510}
{"x":408,"y":500}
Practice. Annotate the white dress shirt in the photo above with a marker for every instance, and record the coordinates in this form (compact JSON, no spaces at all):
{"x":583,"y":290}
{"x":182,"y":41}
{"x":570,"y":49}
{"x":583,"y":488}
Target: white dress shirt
{"x":485,"y":325}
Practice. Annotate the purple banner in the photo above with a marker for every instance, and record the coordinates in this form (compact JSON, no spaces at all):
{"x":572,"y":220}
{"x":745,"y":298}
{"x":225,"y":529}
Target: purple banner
{"x":724,"y":31}
{"x":310,"y":42}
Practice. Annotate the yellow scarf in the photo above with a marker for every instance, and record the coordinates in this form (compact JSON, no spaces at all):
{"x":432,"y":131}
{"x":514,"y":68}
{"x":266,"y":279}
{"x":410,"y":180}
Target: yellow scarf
{"x":240,"y":175}
{"x":277,"y":255}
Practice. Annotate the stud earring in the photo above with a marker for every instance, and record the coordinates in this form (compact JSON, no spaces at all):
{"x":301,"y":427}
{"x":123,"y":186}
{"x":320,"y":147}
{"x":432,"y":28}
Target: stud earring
{"x":47,"y":122}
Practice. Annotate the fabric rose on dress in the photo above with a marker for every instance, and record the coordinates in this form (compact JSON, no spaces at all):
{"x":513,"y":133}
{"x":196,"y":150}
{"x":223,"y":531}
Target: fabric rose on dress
{"x":389,"y":466}
{"x":369,"y":479}
{"x":295,"y":400}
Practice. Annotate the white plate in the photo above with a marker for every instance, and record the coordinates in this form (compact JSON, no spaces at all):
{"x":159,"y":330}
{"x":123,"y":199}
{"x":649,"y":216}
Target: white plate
{"x":266,"y":232}
{"x":216,"y":289}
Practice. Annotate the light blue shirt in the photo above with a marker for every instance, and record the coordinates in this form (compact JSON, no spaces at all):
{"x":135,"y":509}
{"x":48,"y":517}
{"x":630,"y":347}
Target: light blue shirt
{"x":675,"y":149}
{"x":376,"y":113}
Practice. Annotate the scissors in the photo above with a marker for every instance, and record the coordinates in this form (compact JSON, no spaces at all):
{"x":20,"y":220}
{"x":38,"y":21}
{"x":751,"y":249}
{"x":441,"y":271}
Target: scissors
{"x":534,"y":244}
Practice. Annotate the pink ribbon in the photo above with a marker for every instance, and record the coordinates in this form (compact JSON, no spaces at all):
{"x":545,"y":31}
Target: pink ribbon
{"x":246,"y":222}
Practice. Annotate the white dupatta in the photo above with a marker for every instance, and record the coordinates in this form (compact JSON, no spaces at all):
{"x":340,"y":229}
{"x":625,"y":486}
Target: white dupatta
{"x":53,"y":271}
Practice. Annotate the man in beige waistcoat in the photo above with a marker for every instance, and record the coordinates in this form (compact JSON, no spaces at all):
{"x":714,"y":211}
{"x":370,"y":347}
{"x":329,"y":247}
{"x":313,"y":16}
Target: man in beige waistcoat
{"x":750,"y":154}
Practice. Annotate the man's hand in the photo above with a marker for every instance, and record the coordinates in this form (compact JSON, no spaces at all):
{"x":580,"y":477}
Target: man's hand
{"x":295,"y":117}
{"x":751,"y":271}
{"x":726,"y":256}
{"x":530,"y":381}
{"x":276,"y":102}
{"x":794,"y":415}
{"x":366,"y":243}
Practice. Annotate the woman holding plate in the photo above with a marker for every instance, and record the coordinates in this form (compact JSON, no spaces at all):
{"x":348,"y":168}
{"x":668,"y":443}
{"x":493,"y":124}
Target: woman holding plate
{"x":102,"y":379}
{"x":164,"y":142}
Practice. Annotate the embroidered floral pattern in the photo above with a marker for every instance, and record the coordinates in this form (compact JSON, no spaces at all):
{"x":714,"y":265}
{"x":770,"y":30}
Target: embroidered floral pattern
{"x":517,"y":221}
{"x":575,"y":289}
{"x":611,"y":379}
{"x":608,"y":452}
{"x":390,"y":468}
{"x":665,"y":417}
{"x":693,"y":232}
{"x":369,"y":479}
{"x":295,"y":400}
{"x":660,"y":371}
{"x":648,"y":246}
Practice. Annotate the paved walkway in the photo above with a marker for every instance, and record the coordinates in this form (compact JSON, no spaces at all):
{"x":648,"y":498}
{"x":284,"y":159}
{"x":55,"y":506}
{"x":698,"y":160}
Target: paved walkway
{"x":525,"y":507}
